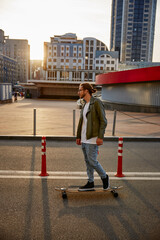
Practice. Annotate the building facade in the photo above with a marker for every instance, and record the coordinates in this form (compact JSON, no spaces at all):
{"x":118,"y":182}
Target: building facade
{"x":8,"y":70}
{"x":1,"y":41}
{"x":19,"y":50}
{"x":132,"y":29}
{"x":68,"y":59}
{"x":135,"y":65}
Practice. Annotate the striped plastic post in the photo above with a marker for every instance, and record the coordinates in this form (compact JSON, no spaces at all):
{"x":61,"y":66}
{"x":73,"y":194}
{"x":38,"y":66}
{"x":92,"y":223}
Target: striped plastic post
{"x":119,"y":165}
{"x":43,"y":166}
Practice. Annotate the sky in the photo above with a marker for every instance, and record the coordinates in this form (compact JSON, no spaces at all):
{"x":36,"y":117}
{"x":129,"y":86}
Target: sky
{"x":37,"y":21}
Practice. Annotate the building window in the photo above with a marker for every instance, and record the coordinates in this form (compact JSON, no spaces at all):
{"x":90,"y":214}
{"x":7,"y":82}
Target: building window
{"x":92,"y":42}
{"x":145,"y":29}
{"x":87,"y":49}
{"x":87,"y":42}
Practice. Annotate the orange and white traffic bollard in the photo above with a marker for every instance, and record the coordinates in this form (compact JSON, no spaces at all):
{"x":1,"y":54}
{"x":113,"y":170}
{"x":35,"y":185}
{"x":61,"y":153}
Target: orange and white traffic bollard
{"x":119,"y":165}
{"x":43,"y":166}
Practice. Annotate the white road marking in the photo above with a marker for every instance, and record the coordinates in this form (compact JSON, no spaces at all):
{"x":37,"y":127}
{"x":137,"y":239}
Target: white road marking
{"x":79,"y":178}
{"x":10,"y":174}
{"x":79,"y":173}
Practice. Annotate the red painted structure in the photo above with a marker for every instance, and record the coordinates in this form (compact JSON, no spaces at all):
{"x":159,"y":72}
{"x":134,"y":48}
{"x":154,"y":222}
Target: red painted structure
{"x":149,"y":74}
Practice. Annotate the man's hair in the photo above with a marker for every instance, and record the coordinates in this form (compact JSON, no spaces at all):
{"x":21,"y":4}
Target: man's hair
{"x":89,"y":87}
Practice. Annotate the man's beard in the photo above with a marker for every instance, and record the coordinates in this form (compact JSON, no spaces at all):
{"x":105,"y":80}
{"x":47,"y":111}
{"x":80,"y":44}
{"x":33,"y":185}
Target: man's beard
{"x":83,"y":96}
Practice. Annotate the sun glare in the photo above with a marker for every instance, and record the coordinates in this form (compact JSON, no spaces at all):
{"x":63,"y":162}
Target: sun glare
{"x":37,"y":21}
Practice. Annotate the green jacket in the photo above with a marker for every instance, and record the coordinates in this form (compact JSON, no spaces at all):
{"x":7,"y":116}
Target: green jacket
{"x":96,"y":120}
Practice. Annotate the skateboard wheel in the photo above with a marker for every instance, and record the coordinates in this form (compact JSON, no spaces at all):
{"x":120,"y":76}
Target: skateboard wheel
{"x":64,"y":195}
{"x":115,"y":194}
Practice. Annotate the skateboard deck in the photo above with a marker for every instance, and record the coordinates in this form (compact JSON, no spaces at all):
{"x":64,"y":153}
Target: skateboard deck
{"x":64,"y":190}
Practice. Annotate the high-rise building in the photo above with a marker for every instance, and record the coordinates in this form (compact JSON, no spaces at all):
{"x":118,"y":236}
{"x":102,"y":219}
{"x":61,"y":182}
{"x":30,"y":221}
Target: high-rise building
{"x":8,"y":65}
{"x":19,"y":50}
{"x":2,"y":42}
{"x":68,"y":59}
{"x":132,"y":29}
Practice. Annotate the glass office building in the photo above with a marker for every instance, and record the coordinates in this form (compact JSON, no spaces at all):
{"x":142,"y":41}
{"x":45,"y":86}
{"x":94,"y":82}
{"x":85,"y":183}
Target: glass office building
{"x":132,"y":29}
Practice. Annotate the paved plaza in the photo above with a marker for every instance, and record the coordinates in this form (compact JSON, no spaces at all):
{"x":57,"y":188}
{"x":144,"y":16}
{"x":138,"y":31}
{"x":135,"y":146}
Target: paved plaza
{"x":55,"y":118}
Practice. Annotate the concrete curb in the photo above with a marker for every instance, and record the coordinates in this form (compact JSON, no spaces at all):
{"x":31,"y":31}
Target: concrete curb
{"x":73,"y":138}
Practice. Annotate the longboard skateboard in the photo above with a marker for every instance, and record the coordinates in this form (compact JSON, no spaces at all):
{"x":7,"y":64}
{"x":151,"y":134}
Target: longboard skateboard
{"x":64,"y":191}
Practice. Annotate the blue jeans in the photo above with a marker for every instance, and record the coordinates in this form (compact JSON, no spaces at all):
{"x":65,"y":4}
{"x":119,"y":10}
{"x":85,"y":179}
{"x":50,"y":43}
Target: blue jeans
{"x":90,"y":152}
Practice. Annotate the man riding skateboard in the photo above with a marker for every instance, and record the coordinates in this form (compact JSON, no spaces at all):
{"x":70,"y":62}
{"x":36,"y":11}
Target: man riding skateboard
{"x":90,"y":134}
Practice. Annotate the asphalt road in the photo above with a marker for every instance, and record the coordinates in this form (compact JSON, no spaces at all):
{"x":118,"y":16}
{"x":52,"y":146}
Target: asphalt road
{"x":30,"y":208}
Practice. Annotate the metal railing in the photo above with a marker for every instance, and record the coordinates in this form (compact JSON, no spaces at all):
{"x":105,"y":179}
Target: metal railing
{"x":74,"y":122}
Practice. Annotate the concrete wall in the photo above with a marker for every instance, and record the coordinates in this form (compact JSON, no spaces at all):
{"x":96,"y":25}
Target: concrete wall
{"x":144,"y":97}
{"x":135,"y":93}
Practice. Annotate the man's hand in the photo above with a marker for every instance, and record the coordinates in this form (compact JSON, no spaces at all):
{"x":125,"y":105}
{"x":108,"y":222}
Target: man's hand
{"x":99,"y":141}
{"x":78,"y":141}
